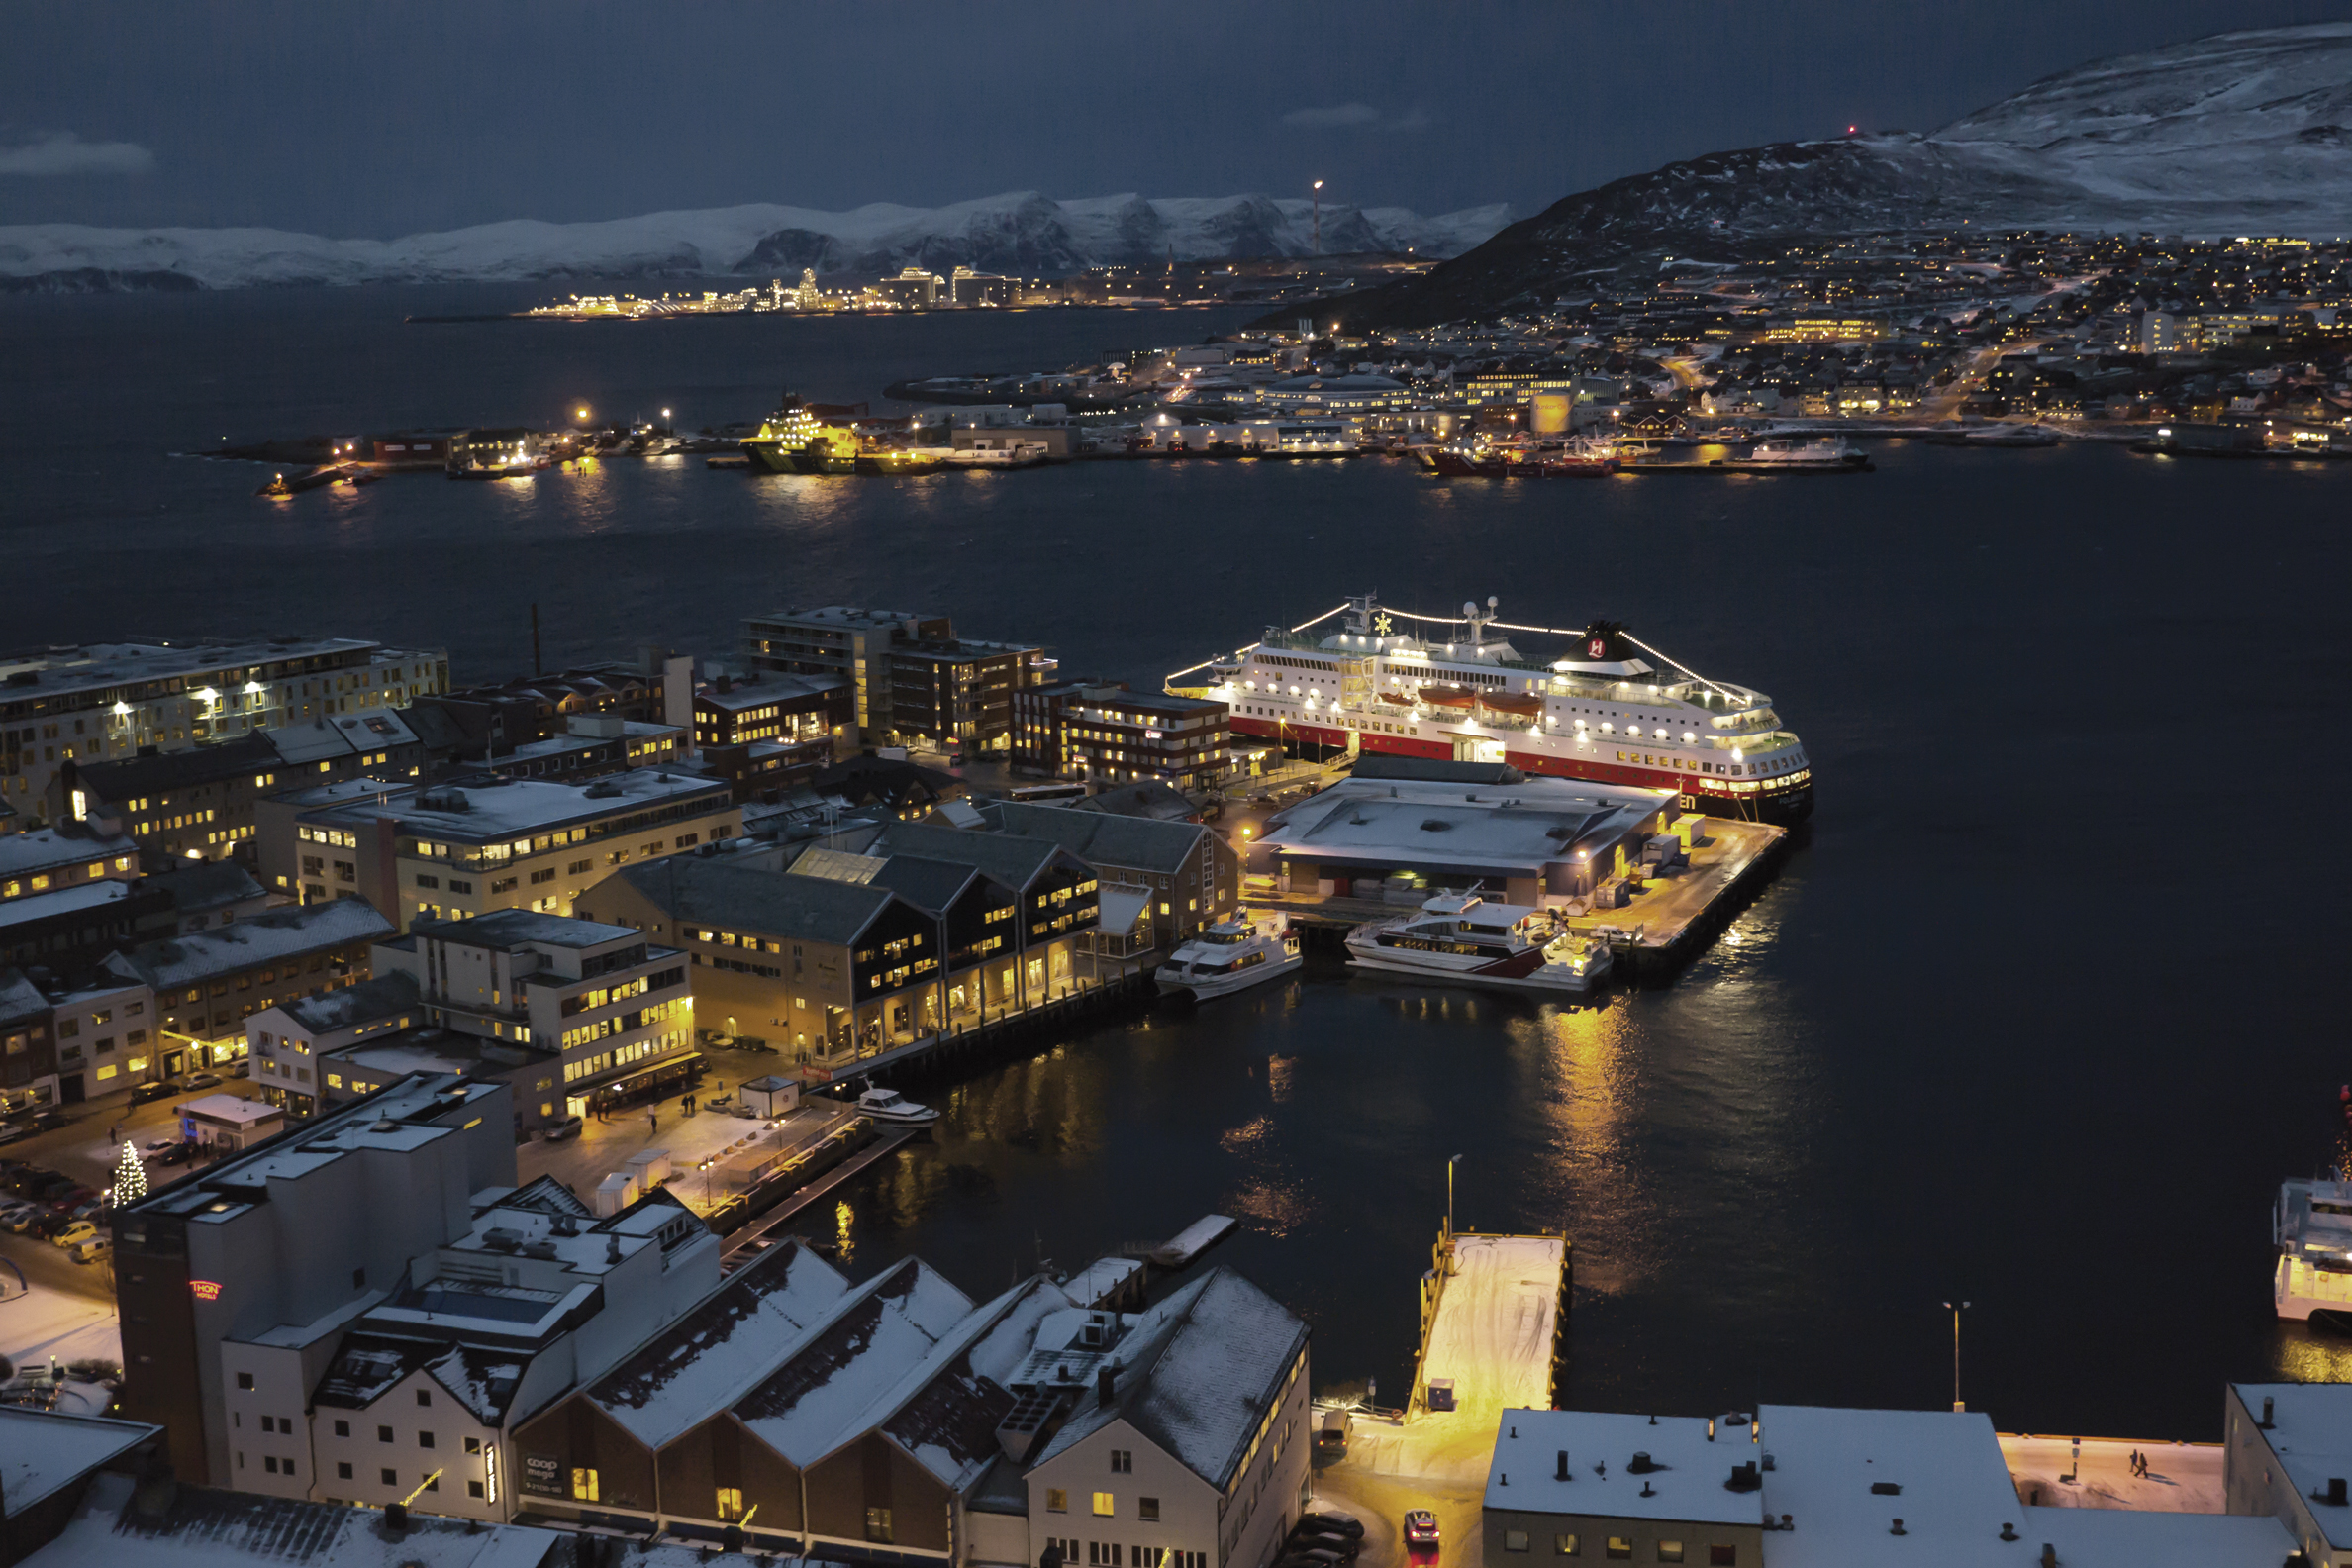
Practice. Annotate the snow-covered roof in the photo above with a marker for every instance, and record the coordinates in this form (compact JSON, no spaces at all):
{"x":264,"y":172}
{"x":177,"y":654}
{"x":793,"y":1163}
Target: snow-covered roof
{"x":808,"y":1407}
{"x":385,"y":996}
{"x":2310,"y":1433}
{"x":185,"y":1526}
{"x":368,"y":1366}
{"x":1956,"y":1487}
{"x":61,"y":901}
{"x":1196,"y":1374}
{"x":1685,"y":1481}
{"x":42,"y":1450}
{"x":1484,"y":826}
{"x":42,"y":849}
{"x":279,"y":933}
{"x":2112,"y":1537}
{"x":734,"y":1338}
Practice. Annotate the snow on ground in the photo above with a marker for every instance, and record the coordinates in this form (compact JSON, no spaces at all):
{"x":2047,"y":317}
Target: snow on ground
{"x":44,"y":1322}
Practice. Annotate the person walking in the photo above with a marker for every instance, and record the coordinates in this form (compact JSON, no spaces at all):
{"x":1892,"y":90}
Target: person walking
{"x":653,"y":1119}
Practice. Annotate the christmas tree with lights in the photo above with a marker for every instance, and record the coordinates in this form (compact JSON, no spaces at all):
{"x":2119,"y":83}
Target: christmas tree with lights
{"x":130,"y":1177}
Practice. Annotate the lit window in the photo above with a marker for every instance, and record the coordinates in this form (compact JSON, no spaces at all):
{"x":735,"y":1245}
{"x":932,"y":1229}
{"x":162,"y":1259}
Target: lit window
{"x":1057,"y":1500}
{"x":584,"y":1484}
{"x":730,"y":1503}
{"x":1105,"y":1504}
{"x":1565,"y":1546}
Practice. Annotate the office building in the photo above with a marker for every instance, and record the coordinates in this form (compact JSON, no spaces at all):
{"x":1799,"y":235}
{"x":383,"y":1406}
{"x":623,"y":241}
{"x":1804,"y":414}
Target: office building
{"x":105,"y":702}
{"x":481,"y":843}
{"x":1190,"y":875}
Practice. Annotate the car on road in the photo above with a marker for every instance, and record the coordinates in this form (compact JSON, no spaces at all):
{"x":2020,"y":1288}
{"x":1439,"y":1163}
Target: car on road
{"x":1420,"y":1528}
{"x":90,"y":1250}
{"x":79,"y":1231}
{"x":569,"y":1128}
{"x":163,"y":1089}
{"x":204,"y":1080}
{"x":153,"y":1146}
{"x":1332,"y":1439}
{"x":182,"y":1152}
{"x":49,"y":1121}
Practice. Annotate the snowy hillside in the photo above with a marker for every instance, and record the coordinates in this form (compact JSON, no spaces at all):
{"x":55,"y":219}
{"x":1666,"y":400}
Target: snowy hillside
{"x":1022,"y":232}
{"x":2235,"y":134}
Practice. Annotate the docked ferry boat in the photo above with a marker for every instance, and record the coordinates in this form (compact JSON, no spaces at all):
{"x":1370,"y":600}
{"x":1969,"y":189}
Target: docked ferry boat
{"x":1463,"y":939}
{"x":1610,"y":709}
{"x":2313,"y":1229}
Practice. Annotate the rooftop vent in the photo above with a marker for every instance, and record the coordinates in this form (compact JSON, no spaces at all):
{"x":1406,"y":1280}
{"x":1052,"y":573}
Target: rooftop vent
{"x":501,"y":1240}
{"x":1886,"y":1488}
{"x":1744,"y":1478}
{"x":1436,"y":825}
{"x":1561,"y":1474}
{"x":539,"y":1249}
{"x":1643,"y":1464}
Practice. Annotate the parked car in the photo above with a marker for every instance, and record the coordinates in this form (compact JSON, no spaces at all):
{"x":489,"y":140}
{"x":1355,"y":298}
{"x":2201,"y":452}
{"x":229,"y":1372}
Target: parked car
{"x":1332,"y":1439}
{"x":569,"y":1128}
{"x":76,"y":1231}
{"x":16,"y":1216}
{"x":181,"y":1153}
{"x":1332,"y":1524}
{"x":1323,"y":1551}
{"x":162,"y":1089}
{"x":9,"y":1131}
{"x":90,"y":1250}
{"x":73,"y":1198}
{"x":204,"y":1080}
{"x":46,"y":1120}
{"x":154,"y":1147}
{"x":1420,"y":1528}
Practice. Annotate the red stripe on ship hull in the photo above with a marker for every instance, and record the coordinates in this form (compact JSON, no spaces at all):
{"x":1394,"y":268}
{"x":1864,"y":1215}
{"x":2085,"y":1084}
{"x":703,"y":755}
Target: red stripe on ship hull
{"x":1402,"y":745}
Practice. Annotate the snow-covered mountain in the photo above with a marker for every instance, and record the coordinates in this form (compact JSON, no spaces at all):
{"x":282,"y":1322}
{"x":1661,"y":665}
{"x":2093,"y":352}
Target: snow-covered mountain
{"x":1022,"y":233}
{"x":2234,"y":134}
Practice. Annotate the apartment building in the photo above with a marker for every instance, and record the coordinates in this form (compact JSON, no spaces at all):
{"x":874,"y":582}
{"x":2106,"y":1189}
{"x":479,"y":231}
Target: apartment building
{"x":1101,"y":730}
{"x":483,"y":842}
{"x":911,"y":678}
{"x":207,"y":983}
{"x":771,"y":732}
{"x":199,"y":803}
{"x":105,"y":702}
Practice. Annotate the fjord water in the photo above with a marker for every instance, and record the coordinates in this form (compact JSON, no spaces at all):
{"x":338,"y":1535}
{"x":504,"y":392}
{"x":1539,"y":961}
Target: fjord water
{"x":2044,"y":1004}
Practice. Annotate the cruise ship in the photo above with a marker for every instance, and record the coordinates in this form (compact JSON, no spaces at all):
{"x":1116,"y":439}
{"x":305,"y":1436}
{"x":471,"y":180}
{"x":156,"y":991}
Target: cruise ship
{"x":1611,"y":709}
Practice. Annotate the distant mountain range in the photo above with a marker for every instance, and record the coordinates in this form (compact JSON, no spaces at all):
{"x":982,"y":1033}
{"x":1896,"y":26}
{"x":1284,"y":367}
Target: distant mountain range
{"x":2241,"y":132}
{"x":1021,"y":232}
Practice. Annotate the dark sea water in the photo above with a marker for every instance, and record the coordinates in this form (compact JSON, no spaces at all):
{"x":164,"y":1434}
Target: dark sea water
{"x":2037,"y":1015}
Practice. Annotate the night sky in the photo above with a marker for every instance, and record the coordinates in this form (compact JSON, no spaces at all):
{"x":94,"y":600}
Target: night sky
{"x":379,"y":120}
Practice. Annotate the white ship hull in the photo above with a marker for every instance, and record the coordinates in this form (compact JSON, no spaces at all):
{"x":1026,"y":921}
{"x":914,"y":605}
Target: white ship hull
{"x":1604,"y":715}
{"x":1208,"y":987}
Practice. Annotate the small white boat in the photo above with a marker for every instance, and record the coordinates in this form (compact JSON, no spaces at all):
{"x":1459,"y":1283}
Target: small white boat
{"x":888,"y":1104}
{"x":2312,"y":1230}
{"x":1461,"y":938}
{"x":1228,"y":956}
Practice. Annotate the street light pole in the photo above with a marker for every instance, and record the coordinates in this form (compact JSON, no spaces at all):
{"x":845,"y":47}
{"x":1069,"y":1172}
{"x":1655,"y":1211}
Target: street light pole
{"x":1955,"y":1308}
{"x":1449,"y":1184}
{"x":1318,"y":217}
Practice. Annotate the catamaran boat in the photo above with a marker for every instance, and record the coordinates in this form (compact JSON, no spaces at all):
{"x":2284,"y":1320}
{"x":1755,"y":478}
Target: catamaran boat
{"x":1607,"y":707}
{"x":1461,"y":938}
{"x":2312,"y":1230}
{"x":888,"y":1104}
{"x":1228,"y":956}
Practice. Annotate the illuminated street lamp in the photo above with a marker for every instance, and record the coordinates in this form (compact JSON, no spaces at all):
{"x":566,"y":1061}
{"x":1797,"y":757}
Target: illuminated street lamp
{"x":1956,"y":1309}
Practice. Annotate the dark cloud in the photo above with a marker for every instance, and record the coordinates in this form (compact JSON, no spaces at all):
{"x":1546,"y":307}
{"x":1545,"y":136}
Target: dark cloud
{"x":1347,"y":114}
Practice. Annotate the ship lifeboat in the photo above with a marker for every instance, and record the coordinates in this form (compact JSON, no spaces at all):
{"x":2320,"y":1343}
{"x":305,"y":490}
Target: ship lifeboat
{"x":1516,"y":705}
{"x":1449,"y":697}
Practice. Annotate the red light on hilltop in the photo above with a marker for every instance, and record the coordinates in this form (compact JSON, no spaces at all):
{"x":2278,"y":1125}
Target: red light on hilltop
{"x":206,"y":1289}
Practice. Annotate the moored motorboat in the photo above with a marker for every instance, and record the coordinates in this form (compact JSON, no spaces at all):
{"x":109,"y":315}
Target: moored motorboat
{"x":888,"y":1104}
{"x":1228,"y":956}
{"x":1463,"y":939}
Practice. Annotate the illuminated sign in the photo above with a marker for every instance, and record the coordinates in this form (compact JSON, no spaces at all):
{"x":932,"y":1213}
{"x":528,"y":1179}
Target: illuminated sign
{"x":206,"y":1289}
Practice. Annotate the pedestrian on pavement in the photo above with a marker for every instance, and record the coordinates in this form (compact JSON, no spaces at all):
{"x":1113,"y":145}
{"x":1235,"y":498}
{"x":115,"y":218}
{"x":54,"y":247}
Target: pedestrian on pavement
{"x":654,"y":1120}
{"x":114,"y":1134}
